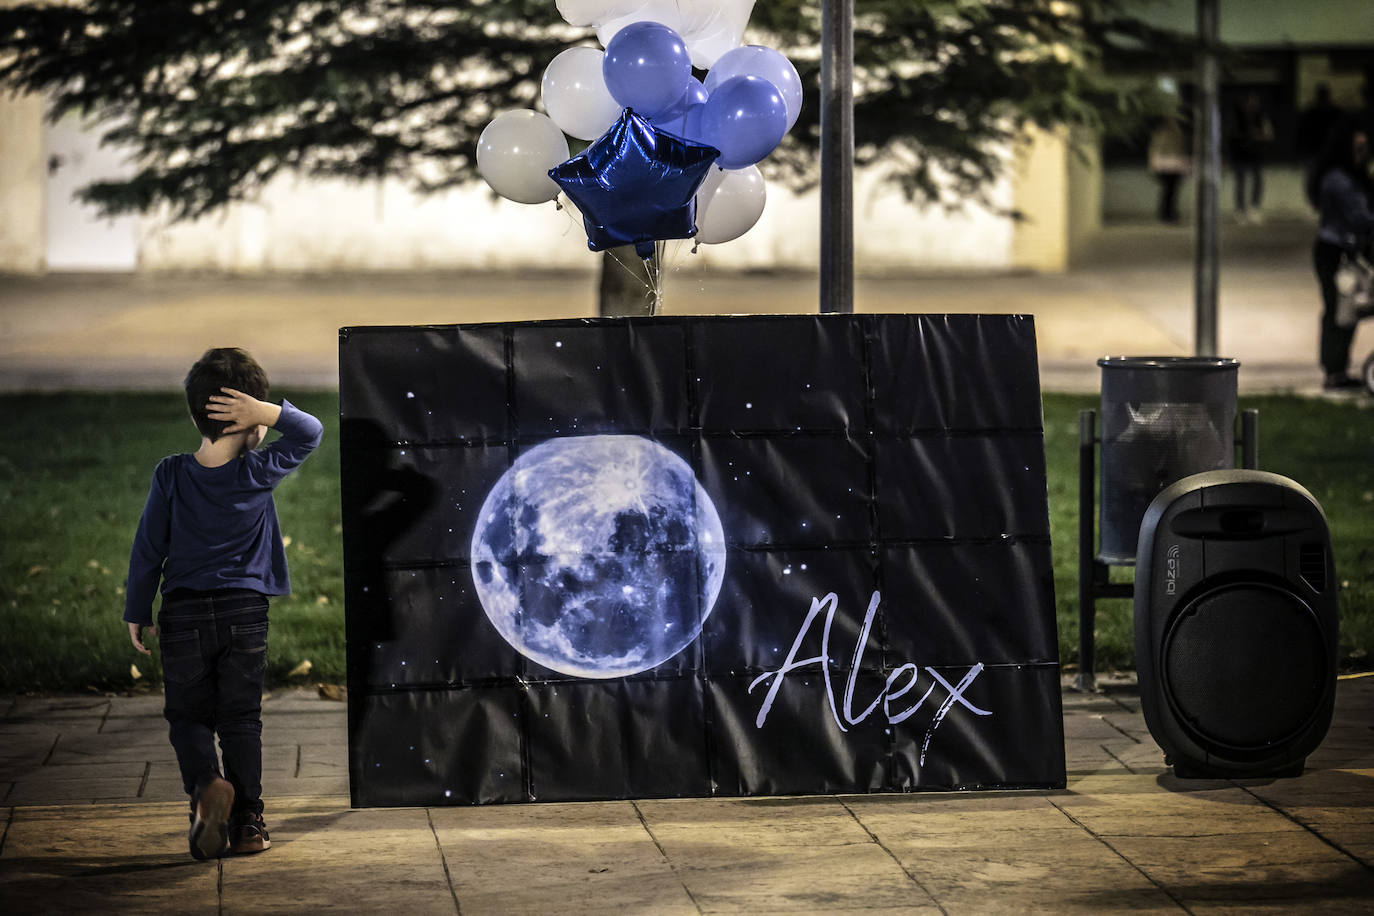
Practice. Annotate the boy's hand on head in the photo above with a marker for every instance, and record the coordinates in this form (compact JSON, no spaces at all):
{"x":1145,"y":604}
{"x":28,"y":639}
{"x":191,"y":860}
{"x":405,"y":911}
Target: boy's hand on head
{"x":241,"y":411}
{"x":136,"y":636}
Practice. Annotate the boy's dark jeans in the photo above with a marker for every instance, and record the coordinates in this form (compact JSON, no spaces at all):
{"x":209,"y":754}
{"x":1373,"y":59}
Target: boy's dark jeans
{"x":214,"y":655}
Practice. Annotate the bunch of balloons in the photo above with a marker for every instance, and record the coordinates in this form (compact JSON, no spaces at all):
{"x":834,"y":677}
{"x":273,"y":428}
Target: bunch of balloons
{"x":671,"y":156}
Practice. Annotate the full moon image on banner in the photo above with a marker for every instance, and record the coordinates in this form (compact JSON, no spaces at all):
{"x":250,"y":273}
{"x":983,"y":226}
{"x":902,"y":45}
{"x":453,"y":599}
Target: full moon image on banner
{"x":598,"y":556}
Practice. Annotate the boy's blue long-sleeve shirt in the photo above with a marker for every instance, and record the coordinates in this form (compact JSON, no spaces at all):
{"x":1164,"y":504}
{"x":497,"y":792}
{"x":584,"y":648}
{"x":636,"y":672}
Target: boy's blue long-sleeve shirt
{"x":212,"y":528}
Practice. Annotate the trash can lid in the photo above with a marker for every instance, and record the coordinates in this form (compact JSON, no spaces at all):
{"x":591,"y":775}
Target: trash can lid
{"x":1168,"y":362}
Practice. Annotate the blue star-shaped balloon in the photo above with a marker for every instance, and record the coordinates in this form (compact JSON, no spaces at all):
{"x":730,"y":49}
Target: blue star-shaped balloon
{"x":635,"y":185}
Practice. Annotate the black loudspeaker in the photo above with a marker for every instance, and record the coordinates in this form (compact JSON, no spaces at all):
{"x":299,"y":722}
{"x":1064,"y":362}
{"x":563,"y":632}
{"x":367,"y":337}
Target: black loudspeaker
{"x":1236,"y":624}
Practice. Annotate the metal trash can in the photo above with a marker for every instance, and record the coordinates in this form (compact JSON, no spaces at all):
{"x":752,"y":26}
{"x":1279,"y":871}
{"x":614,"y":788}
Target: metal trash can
{"x":1163,"y":419}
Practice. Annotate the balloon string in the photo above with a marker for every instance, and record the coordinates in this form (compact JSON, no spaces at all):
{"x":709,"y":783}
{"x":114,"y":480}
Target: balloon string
{"x":652,"y":276}
{"x":571,"y":212}
{"x":629,"y":271}
{"x":651,"y":272}
{"x":674,"y":256}
{"x":658,"y":278}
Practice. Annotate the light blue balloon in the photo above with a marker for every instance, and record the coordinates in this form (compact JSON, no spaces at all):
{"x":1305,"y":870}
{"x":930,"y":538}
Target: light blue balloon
{"x":675,"y":119}
{"x":745,"y":118}
{"x":765,"y":63}
{"x":646,"y":68}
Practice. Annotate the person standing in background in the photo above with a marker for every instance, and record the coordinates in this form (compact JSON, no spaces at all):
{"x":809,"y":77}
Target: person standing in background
{"x":1315,"y":123}
{"x":1169,"y":162}
{"x":1340,"y":188}
{"x":1251,"y":135}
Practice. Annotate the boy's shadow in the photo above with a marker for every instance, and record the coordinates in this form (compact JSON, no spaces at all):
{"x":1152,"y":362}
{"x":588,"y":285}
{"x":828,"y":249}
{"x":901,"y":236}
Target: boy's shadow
{"x":381,"y":504}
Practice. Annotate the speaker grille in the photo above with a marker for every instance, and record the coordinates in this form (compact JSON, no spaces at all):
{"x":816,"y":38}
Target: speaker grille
{"x":1312,"y":565}
{"x":1245,"y":667}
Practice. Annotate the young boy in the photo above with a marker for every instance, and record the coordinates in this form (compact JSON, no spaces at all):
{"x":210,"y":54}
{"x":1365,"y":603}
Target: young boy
{"x":209,"y":532}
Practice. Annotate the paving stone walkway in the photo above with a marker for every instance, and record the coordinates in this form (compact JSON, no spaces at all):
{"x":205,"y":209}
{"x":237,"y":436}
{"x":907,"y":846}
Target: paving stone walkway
{"x":1134,"y":296}
{"x":93,"y":821}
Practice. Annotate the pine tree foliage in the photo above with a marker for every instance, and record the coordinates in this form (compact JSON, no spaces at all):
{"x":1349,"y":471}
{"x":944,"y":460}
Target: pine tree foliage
{"x":943,"y":90}
{"x":216,"y":97}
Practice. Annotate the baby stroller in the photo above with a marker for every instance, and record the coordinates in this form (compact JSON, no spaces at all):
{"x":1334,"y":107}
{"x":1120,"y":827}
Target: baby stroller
{"x":1355,"y":286}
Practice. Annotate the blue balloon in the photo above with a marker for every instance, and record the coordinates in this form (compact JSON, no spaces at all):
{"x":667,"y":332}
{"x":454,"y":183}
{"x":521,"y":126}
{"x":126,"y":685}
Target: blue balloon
{"x":745,"y":118}
{"x":636,"y":185}
{"x":674,"y":120}
{"x":765,"y":63}
{"x":646,"y":68}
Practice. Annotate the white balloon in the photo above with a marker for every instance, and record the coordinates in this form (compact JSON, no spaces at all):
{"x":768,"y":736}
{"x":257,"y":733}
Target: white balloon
{"x":729,"y":203}
{"x":516,"y":151}
{"x":575,"y":94}
{"x":720,"y":33}
{"x":590,"y":12}
{"x":708,"y":48}
{"x":664,"y":12}
{"x":700,"y":16}
{"x":706,"y":191}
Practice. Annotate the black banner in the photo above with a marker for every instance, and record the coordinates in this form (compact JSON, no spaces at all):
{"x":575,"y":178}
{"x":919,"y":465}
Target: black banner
{"x":615,"y":558}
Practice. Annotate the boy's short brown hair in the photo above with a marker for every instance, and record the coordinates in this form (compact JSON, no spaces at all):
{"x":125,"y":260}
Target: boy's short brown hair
{"x":222,"y":367}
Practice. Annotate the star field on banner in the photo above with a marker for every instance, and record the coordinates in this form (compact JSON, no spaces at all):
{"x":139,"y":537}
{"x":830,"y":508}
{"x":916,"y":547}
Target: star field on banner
{"x":613,"y":558}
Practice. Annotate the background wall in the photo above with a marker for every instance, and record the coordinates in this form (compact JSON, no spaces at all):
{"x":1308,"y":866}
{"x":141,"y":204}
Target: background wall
{"x":21,"y":184}
{"x":1271,"y":21}
{"x":325,"y":225}
{"x":331,"y":225}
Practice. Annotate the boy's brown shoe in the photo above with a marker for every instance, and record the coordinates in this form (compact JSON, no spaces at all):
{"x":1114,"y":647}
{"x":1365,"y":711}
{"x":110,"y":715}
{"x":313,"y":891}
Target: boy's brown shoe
{"x":249,"y":835}
{"x":210,"y":818}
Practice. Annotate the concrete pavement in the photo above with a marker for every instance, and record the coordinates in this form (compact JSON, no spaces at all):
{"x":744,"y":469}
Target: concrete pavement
{"x":1133,"y":295}
{"x":93,"y":821}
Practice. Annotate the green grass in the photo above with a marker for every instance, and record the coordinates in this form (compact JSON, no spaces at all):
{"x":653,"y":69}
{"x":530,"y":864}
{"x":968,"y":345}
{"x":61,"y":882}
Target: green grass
{"x":74,"y":471}
{"x":1325,"y":446}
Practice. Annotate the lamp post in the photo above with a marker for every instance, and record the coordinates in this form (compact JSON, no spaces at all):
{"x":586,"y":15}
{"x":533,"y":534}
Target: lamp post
{"x":837,"y":156}
{"x":1208,"y":121}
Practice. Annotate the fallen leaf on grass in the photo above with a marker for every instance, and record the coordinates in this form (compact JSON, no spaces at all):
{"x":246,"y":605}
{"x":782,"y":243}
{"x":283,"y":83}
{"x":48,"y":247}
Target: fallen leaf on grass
{"x":335,"y":692}
{"x":321,"y":600}
{"x":300,"y":670}
{"x":35,"y":570}
{"x":134,"y":672}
